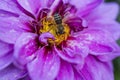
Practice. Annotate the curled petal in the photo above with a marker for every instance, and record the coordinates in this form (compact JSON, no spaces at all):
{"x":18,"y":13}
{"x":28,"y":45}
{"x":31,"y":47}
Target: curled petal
{"x":25,"y":46}
{"x":44,"y":37}
{"x":46,"y":65}
{"x":66,"y":10}
{"x":66,"y":72}
{"x":72,"y":54}
{"x":76,"y":24}
{"x":73,"y":44}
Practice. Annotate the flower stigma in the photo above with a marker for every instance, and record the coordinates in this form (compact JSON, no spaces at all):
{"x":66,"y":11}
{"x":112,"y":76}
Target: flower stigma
{"x":55,"y":26}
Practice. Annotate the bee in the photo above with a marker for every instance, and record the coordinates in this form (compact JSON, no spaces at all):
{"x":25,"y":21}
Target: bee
{"x":58,"y":21}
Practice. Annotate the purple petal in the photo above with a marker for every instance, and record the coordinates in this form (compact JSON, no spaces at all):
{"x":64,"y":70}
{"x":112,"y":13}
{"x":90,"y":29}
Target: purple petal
{"x":97,"y":48}
{"x":26,"y":78}
{"x":114,"y":28}
{"x":86,"y":6}
{"x":77,"y":75}
{"x":4,"y":13}
{"x":76,"y":47}
{"x":62,"y":7}
{"x":9,"y":6}
{"x":11,"y":73}
{"x":46,"y":65}
{"x":99,"y":13}
{"x":66,"y":72}
{"x":96,"y":70}
{"x":98,"y":18}
{"x":112,"y":10}
{"x":109,"y":56}
{"x":34,"y":6}
{"x":10,"y":29}
{"x":72,"y":54}
{"x":12,"y":8}
{"x":55,"y":6}
{"x":109,"y":25}
{"x":25,"y":46}
{"x":76,"y":24}
{"x":94,"y":38}
{"x":7,"y":30}
{"x":5,"y":48}
{"x":100,"y":42}
{"x":65,"y":9}
{"x":105,"y":52}
{"x":30,"y":5}
{"x":6,"y":60}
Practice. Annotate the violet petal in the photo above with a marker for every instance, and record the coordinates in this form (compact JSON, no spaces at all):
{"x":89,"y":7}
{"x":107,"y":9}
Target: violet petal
{"x":96,"y":70}
{"x":99,"y":43}
{"x":66,"y":71}
{"x":10,"y":6}
{"x":6,"y":60}
{"x":84,"y":7}
{"x":46,"y":65}
{"x":9,"y":27}
{"x":70,"y":56}
{"x":25,"y":46}
{"x":11,"y":73}
{"x":5,"y":48}
{"x":105,"y":21}
{"x":112,"y":10}
{"x":31,"y":6}
{"x":76,"y":24}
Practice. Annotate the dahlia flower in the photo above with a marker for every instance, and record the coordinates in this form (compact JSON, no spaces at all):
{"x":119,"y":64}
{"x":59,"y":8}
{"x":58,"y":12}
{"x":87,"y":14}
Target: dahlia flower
{"x":58,"y":39}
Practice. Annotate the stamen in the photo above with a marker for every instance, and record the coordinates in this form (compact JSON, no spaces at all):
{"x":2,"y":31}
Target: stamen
{"x":49,"y":25}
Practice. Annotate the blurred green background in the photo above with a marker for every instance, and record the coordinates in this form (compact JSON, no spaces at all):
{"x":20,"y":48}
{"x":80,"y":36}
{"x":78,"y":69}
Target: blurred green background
{"x":116,"y":62}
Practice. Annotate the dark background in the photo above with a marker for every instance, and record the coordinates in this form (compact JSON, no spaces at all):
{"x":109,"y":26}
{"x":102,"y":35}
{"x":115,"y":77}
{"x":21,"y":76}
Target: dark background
{"x":116,"y":62}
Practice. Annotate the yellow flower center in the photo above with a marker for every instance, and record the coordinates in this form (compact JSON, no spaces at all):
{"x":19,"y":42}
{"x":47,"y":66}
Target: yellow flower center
{"x":59,"y":31}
